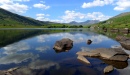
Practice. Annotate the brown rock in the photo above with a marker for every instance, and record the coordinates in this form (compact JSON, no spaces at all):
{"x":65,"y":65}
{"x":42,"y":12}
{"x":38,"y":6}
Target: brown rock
{"x":89,"y":42}
{"x":82,"y":58}
{"x":108,"y":69}
{"x":85,"y":53}
{"x":63,"y":45}
{"x":125,"y":44}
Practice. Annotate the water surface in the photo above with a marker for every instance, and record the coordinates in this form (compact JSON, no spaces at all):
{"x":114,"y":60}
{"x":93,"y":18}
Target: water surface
{"x":32,"y":51}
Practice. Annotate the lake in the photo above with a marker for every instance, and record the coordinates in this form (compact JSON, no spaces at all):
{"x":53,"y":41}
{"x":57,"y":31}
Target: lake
{"x":31,"y":51}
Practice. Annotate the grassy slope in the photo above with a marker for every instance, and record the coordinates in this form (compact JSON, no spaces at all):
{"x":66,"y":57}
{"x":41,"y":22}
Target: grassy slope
{"x":119,"y":21}
{"x":10,"y":19}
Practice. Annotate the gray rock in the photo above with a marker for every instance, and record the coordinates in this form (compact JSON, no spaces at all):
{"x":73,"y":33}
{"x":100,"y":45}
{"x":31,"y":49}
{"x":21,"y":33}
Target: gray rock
{"x":64,"y":44}
{"x":108,"y":69}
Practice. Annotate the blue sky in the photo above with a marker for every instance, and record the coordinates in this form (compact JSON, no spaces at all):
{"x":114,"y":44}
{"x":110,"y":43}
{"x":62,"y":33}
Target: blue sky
{"x":65,"y":11}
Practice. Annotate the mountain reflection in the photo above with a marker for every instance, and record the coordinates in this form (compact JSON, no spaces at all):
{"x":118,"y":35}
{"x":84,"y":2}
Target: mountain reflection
{"x":31,"y":52}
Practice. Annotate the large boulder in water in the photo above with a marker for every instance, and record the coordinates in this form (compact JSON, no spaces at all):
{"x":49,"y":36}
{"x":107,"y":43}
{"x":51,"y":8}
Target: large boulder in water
{"x":64,"y":44}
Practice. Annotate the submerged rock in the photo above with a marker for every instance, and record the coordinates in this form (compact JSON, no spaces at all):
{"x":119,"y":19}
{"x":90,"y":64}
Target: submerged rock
{"x":64,"y":44}
{"x":82,"y":58}
{"x":108,"y":69}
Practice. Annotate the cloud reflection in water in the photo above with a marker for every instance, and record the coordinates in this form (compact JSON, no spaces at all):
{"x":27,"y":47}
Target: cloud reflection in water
{"x":77,"y":38}
{"x":17,"y":58}
{"x":16,"y":47}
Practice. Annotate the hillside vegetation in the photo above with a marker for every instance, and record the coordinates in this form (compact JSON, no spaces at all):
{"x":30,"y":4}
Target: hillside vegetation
{"x":12,"y":20}
{"x":119,"y":21}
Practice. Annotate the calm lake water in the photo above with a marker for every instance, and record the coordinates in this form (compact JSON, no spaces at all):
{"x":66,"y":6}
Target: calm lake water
{"x":32,"y":51}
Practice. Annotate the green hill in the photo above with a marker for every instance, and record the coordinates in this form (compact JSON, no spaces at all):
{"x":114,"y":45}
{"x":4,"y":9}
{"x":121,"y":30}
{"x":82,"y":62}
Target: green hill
{"x":11,"y":19}
{"x":120,"y":21}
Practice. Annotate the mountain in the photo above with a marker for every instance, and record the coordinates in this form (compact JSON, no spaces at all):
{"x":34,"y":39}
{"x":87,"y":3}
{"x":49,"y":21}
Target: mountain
{"x":88,"y":22}
{"x":119,"y":21}
{"x":11,"y":19}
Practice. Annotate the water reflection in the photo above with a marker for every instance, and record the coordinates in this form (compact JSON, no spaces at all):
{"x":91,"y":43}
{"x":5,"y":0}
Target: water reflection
{"x":43,"y":48}
{"x":17,"y":58}
{"x":33,"y":52}
{"x":43,"y":64}
{"x":117,"y":64}
{"x":16,"y":47}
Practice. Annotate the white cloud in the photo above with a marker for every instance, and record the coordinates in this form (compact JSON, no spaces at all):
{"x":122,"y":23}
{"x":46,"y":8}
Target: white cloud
{"x":16,"y":47}
{"x":97,"y":16}
{"x":122,"y":5}
{"x":42,"y":17}
{"x":97,"y":3}
{"x":13,"y":6}
{"x":22,"y":0}
{"x":41,"y":6}
{"x":72,"y":15}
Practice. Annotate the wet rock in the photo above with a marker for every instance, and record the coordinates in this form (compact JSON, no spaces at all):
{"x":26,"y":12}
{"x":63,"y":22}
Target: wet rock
{"x":125,"y":44}
{"x":108,"y":69}
{"x":121,"y":38}
{"x":124,"y":41}
{"x":82,"y":58}
{"x":89,"y":41}
{"x":112,"y":54}
{"x":64,"y":44}
{"x":116,"y":64}
{"x":109,"y":54}
{"x":86,"y":53}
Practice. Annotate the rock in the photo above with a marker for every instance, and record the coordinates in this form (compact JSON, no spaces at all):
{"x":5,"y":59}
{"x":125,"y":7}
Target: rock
{"x":108,"y":54}
{"x":86,"y":53}
{"x":121,"y":38}
{"x":108,"y":69}
{"x":114,"y":30}
{"x":125,"y":30}
{"x":64,"y":44}
{"x":82,"y":58}
{"x":89,"y":42}
{"x":124,"y":41}
{"x":125,"y":44}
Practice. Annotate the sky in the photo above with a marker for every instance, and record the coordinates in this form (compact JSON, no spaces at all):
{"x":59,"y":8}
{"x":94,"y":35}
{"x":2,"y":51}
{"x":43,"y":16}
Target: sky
{"x":65,"y":11}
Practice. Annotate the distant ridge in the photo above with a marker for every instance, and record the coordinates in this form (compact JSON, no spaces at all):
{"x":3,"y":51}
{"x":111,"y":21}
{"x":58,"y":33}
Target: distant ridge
{"x":88,"y":22}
